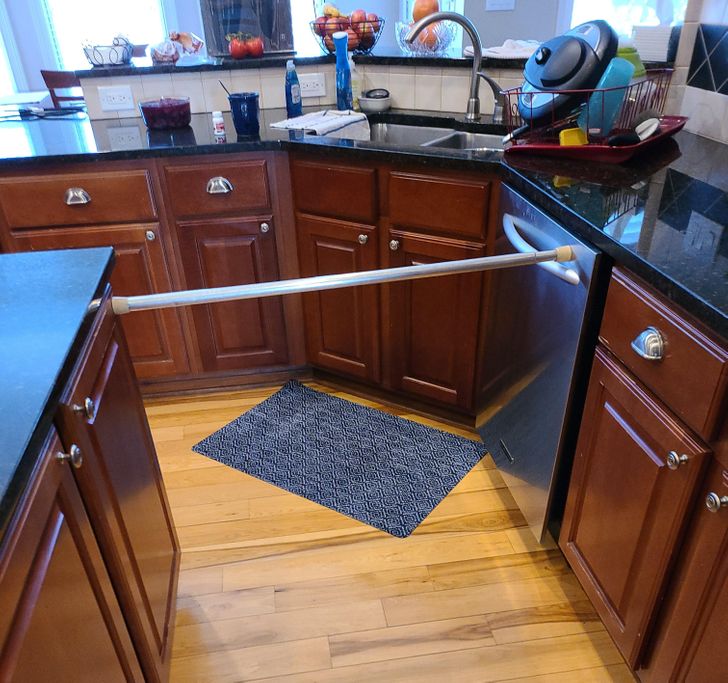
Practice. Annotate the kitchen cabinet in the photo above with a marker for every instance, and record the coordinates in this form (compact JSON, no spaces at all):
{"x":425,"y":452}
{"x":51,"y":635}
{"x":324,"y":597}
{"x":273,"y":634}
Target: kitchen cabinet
{"x":342,"y":325}
{"x":101,"y":415}
{"x":61,"y":619}
{"x":634,"y":476}
{"x":689,"y":642}
{"x":156,"y":341}
{"x":431,"y":326}
{"x":234,"y":335}
{"x":650,"y":557}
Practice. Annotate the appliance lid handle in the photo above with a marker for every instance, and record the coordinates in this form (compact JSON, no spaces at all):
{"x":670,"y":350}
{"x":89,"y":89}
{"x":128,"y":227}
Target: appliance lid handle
{"x":519,"y":244}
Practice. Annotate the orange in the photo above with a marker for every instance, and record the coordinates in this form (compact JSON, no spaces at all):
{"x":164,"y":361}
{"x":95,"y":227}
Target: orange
{"x":423,"y":8}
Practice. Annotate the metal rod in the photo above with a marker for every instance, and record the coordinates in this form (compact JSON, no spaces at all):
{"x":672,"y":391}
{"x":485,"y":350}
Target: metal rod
{"x":258,"y":290}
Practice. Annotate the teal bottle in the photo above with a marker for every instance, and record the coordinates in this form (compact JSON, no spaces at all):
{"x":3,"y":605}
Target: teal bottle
{"x":344,"y":98}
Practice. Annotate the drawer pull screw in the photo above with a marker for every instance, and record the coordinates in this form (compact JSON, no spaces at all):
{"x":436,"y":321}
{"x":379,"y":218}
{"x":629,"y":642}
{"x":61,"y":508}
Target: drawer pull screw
{"x":88,"y":408}
{"x":674,"y":460}
{"x":74,"y":456}
{"x":714,"y":502}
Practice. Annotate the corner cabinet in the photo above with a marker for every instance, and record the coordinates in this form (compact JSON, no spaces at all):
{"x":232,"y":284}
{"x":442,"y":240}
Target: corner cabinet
{"x":89,"y":565}
{"x":651,"y":557}
{"x":420,"y":338}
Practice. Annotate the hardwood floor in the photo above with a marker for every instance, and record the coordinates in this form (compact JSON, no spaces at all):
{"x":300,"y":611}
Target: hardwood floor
{"x":274,"y":586}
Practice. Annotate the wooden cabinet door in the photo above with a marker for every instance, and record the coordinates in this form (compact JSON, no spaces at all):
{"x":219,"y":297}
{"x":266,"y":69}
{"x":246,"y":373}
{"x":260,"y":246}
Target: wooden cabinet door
{"x":690,"y":637}
{"x":342,"y":325}
{"x":625,"y":508}
{"x":235,"y":335}
{"x":431,"y":325}
{"x":122,"y":487}
{"x":155,"y":338}
{"x":60,"y":620}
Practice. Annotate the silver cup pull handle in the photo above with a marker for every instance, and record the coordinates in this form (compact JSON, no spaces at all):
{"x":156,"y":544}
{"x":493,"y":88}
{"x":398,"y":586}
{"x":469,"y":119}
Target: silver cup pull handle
{"x":649,"y":344}
{"x":219,"y":185}
{"x":76,"y":195}
{"x":714,"y":502}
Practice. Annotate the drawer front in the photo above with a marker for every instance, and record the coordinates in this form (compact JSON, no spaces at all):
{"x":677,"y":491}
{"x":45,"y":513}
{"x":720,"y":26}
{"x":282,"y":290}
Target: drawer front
{"x":102,"y":197}
{"x":220,"y":189}
{"x":693,"y":373}
{"x":334,"y":190}
{"x":439,"y":204}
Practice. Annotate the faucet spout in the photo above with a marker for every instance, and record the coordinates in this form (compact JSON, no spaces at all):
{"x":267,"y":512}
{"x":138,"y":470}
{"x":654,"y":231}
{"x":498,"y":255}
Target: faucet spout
{"x":473,"y":108}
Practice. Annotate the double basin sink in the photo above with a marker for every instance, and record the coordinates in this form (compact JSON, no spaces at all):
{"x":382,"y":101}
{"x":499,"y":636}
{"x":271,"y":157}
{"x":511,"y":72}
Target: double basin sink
{"x":442,"y":138}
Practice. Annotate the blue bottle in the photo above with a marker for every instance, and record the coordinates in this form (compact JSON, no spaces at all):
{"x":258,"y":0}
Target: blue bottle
{"x":293,"y":91}
{"x":344,"y":98}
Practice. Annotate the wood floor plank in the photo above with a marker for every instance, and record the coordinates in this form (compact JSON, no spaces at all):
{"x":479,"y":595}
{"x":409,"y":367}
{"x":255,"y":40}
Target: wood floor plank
{"x":612,"y":673}
{"x":375,"y":585}
{"x":199,"y":581}
{"x":549,"y":656}
{"x":252,"y":663}
{"x":365,"y":557}
{"x":264,"y":629}
{"x":460,"y":602}
{"x":230,"y":605}
{"x":211,"y":513}
{"x":485,"y":570}
{"x":410,"y":641}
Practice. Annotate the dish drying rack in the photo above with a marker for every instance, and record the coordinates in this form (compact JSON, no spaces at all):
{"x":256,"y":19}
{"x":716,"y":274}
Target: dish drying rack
{"x":648,"y":94}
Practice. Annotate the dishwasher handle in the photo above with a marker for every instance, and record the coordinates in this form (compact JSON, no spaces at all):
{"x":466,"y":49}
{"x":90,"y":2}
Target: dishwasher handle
{"x":519,"y":244}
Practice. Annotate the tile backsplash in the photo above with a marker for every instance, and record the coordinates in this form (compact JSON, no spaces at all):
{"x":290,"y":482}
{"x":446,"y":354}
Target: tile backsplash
{"x":411,"y":87}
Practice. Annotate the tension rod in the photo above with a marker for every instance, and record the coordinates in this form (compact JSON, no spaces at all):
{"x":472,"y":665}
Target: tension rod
{"x":213,"y":295}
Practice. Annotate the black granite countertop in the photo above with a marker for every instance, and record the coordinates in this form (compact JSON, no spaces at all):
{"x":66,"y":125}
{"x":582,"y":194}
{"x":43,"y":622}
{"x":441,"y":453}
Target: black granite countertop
{"x":663,"y":215}
{"x":44,"y":300}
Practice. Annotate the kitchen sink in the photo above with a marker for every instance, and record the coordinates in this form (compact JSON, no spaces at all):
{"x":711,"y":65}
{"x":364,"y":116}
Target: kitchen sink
{"x":467,"y":141}
{"x":402,"y":134}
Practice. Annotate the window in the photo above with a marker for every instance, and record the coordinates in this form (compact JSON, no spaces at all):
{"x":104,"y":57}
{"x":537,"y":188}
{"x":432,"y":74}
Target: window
{"x":7,"y":82}
{"x":623,"y":15}
{"x":75,"y":22}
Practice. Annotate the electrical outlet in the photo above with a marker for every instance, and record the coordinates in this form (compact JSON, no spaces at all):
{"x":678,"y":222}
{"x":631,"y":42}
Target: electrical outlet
{"x":115,"y":98}
{"x":124,"y":137}
{"x":312,"y":85}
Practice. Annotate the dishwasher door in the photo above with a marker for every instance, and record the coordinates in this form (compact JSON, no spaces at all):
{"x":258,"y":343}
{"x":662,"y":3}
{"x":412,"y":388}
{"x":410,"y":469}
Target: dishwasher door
{"x":532,"y":345}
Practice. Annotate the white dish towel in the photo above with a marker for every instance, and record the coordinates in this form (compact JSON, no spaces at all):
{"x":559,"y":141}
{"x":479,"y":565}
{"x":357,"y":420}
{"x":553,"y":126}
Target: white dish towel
{"x":511,"y":49}
{"x":352,"y":125}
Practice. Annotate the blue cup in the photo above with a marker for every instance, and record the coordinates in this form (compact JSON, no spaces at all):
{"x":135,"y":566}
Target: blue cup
{"x":244,"y":109}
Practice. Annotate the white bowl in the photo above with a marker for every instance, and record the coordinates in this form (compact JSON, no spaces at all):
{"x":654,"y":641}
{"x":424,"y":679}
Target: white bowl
{"x":372,"y":105}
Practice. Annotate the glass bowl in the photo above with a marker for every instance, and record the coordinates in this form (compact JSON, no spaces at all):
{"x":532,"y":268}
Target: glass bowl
{"x":434,"y":40}
{"x":166,"y":113}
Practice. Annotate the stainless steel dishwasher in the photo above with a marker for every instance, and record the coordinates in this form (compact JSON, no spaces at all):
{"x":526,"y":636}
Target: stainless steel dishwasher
{"x":531,"y":356}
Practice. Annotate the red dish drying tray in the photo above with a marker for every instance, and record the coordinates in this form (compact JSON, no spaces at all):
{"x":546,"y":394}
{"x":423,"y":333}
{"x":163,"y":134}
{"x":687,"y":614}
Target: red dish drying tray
{"x":669,"y":125}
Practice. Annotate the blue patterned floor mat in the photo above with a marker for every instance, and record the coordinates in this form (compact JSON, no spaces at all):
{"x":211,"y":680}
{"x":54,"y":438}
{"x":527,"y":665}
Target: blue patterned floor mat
{"x":377,"y":468}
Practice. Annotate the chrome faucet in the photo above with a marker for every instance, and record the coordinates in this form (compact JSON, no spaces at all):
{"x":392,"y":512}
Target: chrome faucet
{"x":473,"y":109}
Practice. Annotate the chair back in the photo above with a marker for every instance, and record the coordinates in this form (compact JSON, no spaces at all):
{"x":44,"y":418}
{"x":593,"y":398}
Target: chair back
{"x":61,"y":80}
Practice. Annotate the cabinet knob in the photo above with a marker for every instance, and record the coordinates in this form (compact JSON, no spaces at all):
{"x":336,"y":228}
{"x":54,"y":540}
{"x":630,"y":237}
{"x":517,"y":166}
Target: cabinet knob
{"x":151,"y":235}
{"x":674,"y":460}
{"x":394,"y":245}
{"x":265,"y":227}
{"x":649,"y":344}
{"x":74,"y":456}
{"x":76,"y":195}
{"x":714,"y":502}
{"x":87,"y":408}
{"x":219,"y":185}
{"x":362,"y":239}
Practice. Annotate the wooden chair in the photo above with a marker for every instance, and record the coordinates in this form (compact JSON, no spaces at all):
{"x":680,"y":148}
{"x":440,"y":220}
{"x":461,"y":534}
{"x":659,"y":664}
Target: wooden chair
{"x":60,"y":80}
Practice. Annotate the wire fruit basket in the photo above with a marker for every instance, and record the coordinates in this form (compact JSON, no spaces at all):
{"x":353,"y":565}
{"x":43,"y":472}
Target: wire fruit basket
{"x":119,"y":52}
{"x":593,"y":110}
{"x":363,"y":35}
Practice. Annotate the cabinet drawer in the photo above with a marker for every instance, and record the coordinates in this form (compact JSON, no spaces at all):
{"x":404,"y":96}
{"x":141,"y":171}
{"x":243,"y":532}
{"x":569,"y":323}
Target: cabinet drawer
{"x":219,"y":189}
{"x":334,"y":190}
{"x":113,"y":197}
{"x":693,"y":373}
{"x":439,"y":204}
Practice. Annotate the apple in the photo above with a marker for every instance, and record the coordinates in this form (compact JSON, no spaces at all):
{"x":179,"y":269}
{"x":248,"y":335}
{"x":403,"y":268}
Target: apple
{"x":357,"y":17}
{"x":329,"y":43}
{"x":332,"y":26}
{"x":319,"y":26}
{"x":424,"y":8}
{"x":373,"y":19}
{"x":353,"y":39}
{"x":366,"y":35}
